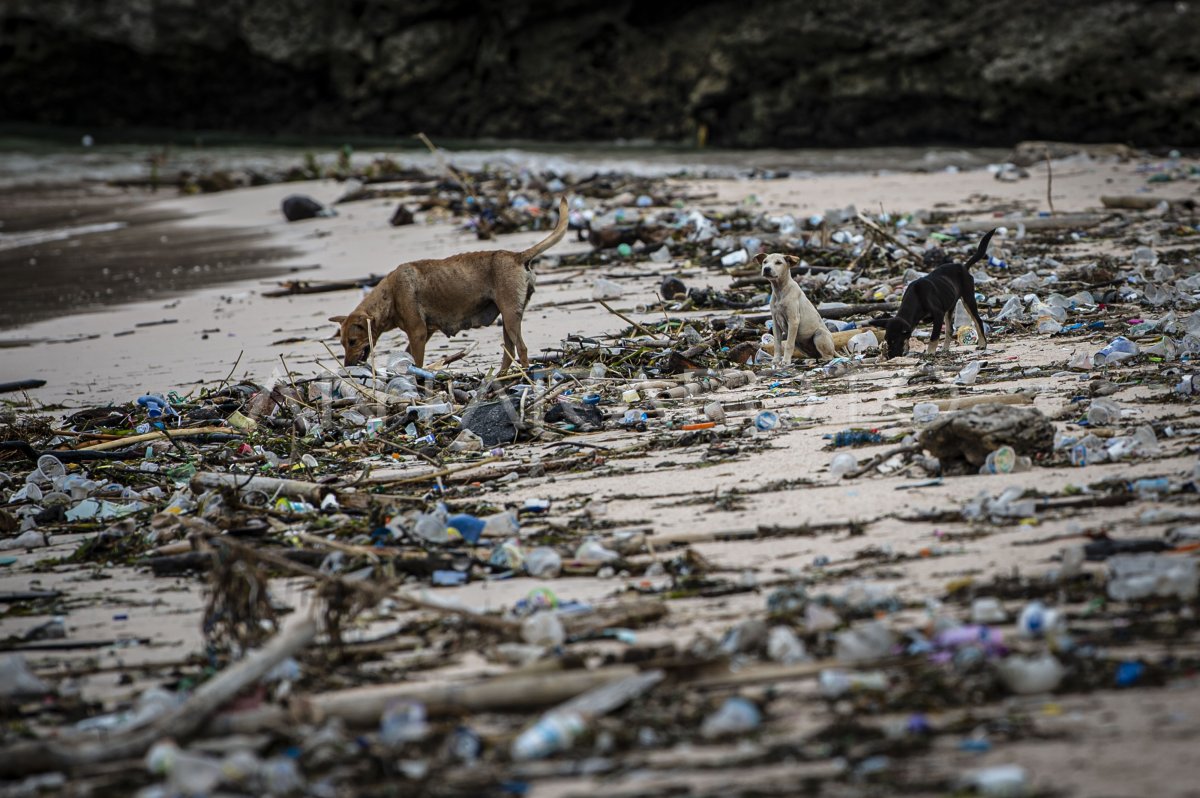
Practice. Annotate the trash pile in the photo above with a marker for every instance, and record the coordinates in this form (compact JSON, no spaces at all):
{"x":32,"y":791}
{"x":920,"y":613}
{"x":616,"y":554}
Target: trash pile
{"x":412,"y":582}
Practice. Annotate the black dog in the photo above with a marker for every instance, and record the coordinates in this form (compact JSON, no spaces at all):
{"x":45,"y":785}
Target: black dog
{"x":934,"y":297}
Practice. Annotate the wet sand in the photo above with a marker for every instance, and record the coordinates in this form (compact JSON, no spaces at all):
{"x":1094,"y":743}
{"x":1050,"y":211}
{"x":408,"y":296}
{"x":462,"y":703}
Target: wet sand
{"x":67,"y":250}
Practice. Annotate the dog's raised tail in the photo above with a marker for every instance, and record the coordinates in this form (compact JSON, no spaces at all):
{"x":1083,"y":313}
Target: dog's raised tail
{"x":981,"y":250}
{"x":555,"y":236}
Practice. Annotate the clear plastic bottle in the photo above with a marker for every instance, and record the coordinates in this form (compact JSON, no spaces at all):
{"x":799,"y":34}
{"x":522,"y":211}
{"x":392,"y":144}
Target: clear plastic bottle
{"x":555,"y":731}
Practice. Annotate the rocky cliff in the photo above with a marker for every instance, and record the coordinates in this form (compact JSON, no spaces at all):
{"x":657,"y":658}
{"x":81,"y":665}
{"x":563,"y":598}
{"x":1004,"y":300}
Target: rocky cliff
{"x":751,"y":74}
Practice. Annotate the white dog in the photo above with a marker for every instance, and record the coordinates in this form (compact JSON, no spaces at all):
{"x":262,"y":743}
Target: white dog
{"x":794,"y":317}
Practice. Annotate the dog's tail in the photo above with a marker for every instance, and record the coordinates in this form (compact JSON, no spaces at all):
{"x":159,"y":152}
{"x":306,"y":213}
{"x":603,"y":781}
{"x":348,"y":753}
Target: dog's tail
{"x":981,"y":250}
{"x":559,"y":231}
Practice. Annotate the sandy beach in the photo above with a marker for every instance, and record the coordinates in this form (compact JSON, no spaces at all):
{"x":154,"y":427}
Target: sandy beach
{"x":760,"y":508}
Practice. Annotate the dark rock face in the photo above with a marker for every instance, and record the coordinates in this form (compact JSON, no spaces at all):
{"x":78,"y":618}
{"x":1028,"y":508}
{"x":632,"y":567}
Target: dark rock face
{"x":756,"y":73}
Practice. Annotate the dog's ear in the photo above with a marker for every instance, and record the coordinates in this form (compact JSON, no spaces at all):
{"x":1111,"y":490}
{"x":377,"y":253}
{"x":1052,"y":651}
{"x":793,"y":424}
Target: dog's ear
{"x":337,"y":319}
{"x":760,"y":257}
{"x":792,"y":260}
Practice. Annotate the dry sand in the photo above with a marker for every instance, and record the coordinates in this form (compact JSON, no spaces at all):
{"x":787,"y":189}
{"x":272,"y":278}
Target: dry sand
{"x":1097,"y":745}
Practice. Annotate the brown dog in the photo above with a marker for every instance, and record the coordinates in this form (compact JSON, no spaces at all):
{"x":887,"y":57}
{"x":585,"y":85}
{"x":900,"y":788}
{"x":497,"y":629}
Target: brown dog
{"x":456,"y":293}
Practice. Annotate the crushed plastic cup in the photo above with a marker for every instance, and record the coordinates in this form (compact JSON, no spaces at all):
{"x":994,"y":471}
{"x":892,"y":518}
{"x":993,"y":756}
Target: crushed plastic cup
{"x":766,"y":420}
{"x":784,"y":646}
{"x":862,"y":342}
{"x":715,"y":412}
{"x":842,"y":463}
{"x":1031,"y":675}
{"x":1103,"y":412}
{"x":606,"y":289}
{"x":50,"y":467}
{"x":924,"y":412}
{"x":543,"y":563}
{"x":1000,"y":461}
{"x":736,"y":716}
{"x":403,"y":722}
{"x":1121,"y":348}
{"x":543,"y":629}
{"x":1144,"y":257}
{"x":968,"y":374}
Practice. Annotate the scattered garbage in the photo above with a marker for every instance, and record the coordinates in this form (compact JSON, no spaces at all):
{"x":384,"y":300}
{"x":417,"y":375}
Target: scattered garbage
{"x":469,"y":523}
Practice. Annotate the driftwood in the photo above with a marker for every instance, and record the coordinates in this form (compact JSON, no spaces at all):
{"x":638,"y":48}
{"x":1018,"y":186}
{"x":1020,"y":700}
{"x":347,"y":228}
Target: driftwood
{"x":293,"y":287}
{"x":1064,"y":221}
{"x":157,"y":435}
{"x":1145,"y":202}
{"x":362,"y":706}
{"x":272,"y":486}
{"x":20,"y":385}
{"x":963,"y":402}
{"x":180,"y":724}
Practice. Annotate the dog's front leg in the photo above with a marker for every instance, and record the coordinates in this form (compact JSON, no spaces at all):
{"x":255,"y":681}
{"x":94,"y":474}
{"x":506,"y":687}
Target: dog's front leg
{"x":779,"y":327}
{"x":949,"y":331}
{"x":793,"y":329}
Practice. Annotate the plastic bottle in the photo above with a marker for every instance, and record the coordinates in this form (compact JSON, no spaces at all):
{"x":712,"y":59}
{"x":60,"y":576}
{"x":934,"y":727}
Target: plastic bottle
{"x":999,"y":781}
{"x":842,"y":463}
{"x":968,"y":374}
{"x":835,"y":683}
{"x":187,"y":773}
{"x":426,"y":412}
{"x":554,"y":732}
{"x":737,"y":715}
{"x":1120,"y":348}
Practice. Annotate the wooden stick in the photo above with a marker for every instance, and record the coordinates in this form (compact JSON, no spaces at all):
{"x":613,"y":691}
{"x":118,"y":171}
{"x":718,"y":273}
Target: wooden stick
{"x":404,"y":480}
{"x":880,"y":231}
{"x":162,"y":434}
{"x":877,"y":459}
{"x":272,"y":486}
{"x":963,"y":402}
{"x":362,"y":706}
{"x":1049,"y":182}
{"x":626,"y":319}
